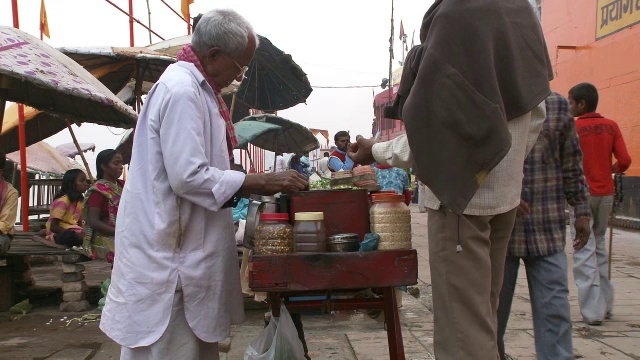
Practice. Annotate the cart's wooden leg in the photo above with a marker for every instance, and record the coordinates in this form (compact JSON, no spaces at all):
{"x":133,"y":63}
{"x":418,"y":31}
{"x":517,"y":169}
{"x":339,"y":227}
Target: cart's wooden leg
{"x":274,"y":303}
{"x":394,"y":333}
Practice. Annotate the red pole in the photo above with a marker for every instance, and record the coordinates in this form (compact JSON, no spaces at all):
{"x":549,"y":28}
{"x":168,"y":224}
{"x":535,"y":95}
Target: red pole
{"x":188,"y":20}
{"x":22,"y":140}
{"x":131,"y":40}
{"x":16,"y":21}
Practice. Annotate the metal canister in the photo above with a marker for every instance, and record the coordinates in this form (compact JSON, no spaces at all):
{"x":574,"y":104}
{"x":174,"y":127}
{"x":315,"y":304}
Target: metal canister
{"x":344,"y":242}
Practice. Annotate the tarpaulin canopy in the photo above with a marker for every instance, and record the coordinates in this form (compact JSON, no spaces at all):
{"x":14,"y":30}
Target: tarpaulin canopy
{"x":125,"y":63}
{"x":43,"y":158}
{"x":71,"y":150}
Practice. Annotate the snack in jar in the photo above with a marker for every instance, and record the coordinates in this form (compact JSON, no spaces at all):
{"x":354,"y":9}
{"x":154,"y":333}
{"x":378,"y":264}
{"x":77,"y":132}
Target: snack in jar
{"x":390,"y":218}
{"x":274,"y":235}
{"x":309,"y":233}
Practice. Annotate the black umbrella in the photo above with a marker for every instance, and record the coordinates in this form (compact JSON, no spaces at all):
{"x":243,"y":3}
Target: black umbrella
{"x":273,"y":81}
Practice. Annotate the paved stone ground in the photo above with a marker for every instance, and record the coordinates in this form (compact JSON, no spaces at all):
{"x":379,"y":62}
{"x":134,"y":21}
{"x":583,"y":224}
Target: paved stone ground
{"x":46,"y":333}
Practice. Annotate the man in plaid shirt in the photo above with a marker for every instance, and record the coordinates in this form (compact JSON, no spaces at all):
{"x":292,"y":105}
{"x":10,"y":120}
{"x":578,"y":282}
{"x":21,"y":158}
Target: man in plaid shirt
{"x":552,"y":174}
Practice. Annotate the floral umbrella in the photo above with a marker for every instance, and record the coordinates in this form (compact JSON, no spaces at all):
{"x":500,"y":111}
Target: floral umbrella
{"x":35,"y":74}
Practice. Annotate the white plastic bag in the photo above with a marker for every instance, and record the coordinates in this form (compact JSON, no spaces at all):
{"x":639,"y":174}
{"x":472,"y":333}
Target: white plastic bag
{"x":278,"y":341}
{"x":240,"y":233}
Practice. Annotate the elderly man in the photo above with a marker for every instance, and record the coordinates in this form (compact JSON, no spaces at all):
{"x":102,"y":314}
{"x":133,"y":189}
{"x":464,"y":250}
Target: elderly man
{"x":175,"y":288}
{"x":472,"y":99}
{"x":552,"y":176}
{"x":8,"y":208}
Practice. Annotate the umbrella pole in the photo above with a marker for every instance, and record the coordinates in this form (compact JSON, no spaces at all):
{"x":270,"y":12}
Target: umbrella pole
{"x":24,"y":186}
{"x":275,"y":156}
{"x":84,"y":160}
{"x":3,"y":103}
{"x":251,"y":168}
{"x":233,"y":105}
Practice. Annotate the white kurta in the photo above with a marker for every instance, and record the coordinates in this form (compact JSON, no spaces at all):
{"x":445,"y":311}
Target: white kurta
{"x":170,"y":222}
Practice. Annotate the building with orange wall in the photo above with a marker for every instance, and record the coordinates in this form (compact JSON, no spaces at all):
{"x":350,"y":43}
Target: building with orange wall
{"x":598,"y":41}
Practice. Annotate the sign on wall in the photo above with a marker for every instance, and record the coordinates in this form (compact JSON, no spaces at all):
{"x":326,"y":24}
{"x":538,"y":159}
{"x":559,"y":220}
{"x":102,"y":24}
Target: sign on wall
{"x":615,"y":15}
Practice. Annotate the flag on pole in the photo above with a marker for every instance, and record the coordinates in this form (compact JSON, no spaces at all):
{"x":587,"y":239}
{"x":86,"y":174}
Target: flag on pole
{"x":44,"y":24}
{"x":402,"y":32}
{"x":185,"y":9}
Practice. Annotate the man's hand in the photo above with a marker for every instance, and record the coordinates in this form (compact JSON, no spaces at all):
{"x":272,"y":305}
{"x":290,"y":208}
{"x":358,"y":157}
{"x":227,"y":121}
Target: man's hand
{"x":272,"y":183}
{"x":523,"y":209}
{"x":361,"y":152}
{"x":583,"y":231}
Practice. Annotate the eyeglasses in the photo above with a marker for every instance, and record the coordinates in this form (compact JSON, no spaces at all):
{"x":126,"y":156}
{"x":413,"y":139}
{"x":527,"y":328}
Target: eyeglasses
{"x":243,"y":69}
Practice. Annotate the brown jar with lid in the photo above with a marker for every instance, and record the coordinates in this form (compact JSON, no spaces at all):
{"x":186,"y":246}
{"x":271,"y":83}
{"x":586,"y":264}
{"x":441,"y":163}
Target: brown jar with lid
{"x":390,"y":218}
{"x":309,"y":232}
{"x":274,"y":235}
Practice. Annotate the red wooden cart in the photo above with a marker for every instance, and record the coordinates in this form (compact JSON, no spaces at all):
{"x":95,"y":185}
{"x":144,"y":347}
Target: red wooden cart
{"x":305,"y":274}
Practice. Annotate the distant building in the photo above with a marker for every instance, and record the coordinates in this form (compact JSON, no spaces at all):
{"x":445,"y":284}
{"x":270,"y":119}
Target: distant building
{"x":387,"y":128}
{"x":598,"y":41}
{"x":323,"y":140}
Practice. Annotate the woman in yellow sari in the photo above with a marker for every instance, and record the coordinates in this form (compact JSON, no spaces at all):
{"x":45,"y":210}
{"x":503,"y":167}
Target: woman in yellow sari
{"x":101,"y":206}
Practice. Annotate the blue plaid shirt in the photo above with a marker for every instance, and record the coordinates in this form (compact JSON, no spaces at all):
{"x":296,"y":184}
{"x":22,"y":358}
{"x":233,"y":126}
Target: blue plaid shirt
{"x":552,"y":176}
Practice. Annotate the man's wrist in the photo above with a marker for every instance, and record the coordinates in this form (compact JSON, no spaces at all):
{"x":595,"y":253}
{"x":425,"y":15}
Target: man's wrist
{"x":253,"y":183}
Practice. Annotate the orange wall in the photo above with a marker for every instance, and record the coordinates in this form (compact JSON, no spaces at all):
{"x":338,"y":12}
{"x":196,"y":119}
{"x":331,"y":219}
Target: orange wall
{"x":612,"y":64}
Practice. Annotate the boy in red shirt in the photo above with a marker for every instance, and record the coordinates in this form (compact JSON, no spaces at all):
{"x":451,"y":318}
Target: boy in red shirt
{"x":600,"y":138}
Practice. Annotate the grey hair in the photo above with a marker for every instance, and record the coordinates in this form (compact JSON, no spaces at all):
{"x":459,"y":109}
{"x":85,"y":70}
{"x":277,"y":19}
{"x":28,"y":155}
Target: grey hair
{"x":225,"y":29}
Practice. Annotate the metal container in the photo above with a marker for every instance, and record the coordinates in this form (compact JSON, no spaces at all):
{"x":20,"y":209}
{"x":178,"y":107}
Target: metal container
{"x":343,"y":243}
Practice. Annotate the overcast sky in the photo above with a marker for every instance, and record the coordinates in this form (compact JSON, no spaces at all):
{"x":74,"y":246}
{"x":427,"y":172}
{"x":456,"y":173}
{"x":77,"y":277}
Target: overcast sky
{"x":337,"y":43}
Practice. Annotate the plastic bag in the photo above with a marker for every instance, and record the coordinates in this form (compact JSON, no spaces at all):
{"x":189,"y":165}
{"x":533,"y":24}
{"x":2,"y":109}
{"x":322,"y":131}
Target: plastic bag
{"x":278,"y":341}
{"x":104,"y":288}
{"x":370,"y":242}
{"x":240,"y":232}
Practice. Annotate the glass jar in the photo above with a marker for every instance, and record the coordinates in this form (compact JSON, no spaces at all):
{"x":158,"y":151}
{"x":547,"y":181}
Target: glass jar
{"x":309,"y":232}
{"x":390,"y":218}
{"x":274,"y":235}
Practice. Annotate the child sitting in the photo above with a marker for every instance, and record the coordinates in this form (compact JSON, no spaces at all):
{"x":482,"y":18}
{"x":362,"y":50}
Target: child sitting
{"x":64,"y":226}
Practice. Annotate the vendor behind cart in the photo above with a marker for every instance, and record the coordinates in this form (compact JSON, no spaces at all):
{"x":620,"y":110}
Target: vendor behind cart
{"x":175,"y":289}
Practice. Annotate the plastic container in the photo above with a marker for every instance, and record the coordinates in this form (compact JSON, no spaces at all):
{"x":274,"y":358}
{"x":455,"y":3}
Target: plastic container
{"x":274,"y":235}
{"x":390,"y":218}
{"x":309,"y":233}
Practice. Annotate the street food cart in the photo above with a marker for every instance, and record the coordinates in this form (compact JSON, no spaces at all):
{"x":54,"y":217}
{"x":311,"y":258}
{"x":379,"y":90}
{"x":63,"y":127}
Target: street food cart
{"x":284,"y":276}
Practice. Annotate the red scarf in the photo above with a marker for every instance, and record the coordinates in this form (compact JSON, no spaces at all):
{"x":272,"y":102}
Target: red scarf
{"x":187,"y":55}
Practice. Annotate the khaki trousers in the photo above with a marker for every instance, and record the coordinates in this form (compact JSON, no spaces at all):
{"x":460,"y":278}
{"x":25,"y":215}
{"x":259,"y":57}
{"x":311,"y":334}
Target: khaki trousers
{"x":466,"y":284}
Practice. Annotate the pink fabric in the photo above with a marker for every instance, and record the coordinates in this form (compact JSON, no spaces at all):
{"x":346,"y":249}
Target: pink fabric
{"x":187,"y":54}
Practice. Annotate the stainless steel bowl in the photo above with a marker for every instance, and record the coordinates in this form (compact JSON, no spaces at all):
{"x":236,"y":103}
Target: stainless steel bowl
{"x":343,"y":243}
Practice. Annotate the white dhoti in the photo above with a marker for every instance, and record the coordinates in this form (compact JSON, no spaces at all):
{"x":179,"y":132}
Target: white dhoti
{"x":177,"y":342}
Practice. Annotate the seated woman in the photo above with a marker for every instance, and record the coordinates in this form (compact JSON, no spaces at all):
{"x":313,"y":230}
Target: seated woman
{"x":64,"y":226}
{"x":8,"y":208}
{"x":101,"y":206}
